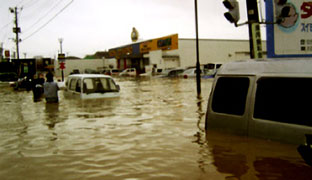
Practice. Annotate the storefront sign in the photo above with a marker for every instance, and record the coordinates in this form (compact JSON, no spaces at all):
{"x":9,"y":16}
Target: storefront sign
{"x":163,"y":43}
{"x":292,"y":36}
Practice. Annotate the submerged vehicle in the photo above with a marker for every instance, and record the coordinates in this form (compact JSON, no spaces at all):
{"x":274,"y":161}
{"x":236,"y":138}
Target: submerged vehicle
{"x":191,"y":72}
{"x":91,"y":86}
{"x":128,"y":72}
{"x":269,"y":98}
{"x":175,"y":72}
{"x":211,"y":69}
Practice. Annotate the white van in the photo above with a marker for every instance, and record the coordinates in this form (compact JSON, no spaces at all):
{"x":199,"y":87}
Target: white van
{"x":270,"y":98}
{"x":91,"y":86}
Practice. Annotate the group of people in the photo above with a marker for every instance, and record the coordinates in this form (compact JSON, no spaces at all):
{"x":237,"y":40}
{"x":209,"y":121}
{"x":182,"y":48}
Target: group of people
{"x":48,"y":88}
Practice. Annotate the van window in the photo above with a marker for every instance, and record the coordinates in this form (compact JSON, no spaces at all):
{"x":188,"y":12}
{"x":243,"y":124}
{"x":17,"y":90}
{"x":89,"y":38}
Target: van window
{"x":99,"y":85}
{"x":108,"y":84}
{"x":286,"y":100}
{"x":230,"y":95}
{"x":72,"y":84}
{"x":88,"y":85}
{"x":78,"y":87}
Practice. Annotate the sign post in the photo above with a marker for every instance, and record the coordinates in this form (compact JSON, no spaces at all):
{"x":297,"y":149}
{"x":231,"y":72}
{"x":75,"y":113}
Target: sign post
{"x":289,"y":33}
{"x":61,"y":59}
{"x":256,"y":40}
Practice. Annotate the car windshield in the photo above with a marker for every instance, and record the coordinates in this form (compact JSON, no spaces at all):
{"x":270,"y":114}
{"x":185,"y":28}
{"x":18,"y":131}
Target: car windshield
{"x":99,"y":85}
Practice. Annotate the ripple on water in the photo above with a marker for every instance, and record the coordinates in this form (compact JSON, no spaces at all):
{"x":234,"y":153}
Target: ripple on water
{"x":153,"y":131}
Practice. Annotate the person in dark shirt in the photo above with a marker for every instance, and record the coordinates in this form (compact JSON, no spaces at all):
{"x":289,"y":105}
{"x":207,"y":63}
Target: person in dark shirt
{"x":37,"y":87}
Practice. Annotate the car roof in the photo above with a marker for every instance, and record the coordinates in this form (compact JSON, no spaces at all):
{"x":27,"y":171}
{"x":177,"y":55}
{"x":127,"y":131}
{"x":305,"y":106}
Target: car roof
{"x":89,"y":76}
{"x":268,"y":66}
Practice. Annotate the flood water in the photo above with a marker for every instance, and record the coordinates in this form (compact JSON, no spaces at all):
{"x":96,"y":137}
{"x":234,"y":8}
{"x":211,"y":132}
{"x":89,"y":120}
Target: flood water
{"x":155,"y":130}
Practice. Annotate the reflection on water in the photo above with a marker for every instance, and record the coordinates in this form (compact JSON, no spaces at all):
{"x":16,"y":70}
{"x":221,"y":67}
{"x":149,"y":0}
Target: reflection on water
{"x":155,"y":130}
{"x":52,"y":114}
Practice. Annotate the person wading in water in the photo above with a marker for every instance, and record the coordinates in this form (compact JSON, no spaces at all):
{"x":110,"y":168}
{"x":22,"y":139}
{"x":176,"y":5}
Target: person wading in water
{"x":50,"y":89}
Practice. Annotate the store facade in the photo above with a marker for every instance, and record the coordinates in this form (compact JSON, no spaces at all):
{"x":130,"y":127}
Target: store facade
{"x":171,"y":52}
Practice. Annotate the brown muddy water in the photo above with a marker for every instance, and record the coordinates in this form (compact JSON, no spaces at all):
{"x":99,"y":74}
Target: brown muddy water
{"x":153,"y":131}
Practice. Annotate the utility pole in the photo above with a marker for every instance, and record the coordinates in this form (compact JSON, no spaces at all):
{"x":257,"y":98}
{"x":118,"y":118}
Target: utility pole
{"x":16,"y":30}
{"x":1,"y":52}
{"x":253,"y":17}
{"x":61,"y":57}
{"x":197,"y":55}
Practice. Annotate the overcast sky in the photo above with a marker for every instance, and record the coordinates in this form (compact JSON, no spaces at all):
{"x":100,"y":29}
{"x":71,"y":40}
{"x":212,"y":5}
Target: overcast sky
{"x":87,"y":26}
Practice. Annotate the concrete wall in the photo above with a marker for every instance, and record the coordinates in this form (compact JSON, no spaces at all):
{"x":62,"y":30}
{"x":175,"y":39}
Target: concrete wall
{"x":213,"y":50}
{"x":210,"y":51}
{"x":80,"y":64}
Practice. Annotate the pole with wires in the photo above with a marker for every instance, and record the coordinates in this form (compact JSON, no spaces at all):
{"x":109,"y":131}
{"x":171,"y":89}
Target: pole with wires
{"x":197,"y":55}
{"x":16,"y":30}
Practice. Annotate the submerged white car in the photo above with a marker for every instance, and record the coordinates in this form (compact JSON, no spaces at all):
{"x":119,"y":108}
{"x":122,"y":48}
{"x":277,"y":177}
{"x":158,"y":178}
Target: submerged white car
{"x":128,"y":72}
{"x":91,"y":86}
{"x":189,"y":73}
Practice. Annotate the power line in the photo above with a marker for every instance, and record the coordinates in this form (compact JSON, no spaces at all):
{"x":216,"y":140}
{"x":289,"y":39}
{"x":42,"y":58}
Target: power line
{"x":6,"y":25}
{"x":42,"y":17}
{"x":29,"y":3}
{"x":49,"y":20}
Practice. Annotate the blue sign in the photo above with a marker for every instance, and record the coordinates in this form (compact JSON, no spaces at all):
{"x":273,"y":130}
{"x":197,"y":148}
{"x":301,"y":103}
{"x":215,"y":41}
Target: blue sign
{"x":289,"y":28}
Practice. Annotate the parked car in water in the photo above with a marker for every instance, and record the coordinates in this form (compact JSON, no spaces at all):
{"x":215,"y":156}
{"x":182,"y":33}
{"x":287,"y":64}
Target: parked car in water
{"x":115,"y":72}
{"x":128,"y":72}
{"x":263,"y":98}
{"x":171,"y":72}
{"x":191,"y":72}
{"x":75,"y":71}
{"x":91,"y":71}
{"x":91,"y":86}
{"x":211,"y":69}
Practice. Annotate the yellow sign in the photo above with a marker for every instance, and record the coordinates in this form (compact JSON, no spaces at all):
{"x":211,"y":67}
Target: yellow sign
{"x":164,"y":43}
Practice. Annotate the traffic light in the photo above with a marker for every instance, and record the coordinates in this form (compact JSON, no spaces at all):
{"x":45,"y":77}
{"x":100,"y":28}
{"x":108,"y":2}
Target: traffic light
{"x":233,"y":14}
{"x":285,"y":13}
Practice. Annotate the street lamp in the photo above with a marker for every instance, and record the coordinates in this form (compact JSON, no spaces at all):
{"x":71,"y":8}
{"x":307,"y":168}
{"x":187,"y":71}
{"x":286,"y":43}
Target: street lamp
{"x":61,"y":42}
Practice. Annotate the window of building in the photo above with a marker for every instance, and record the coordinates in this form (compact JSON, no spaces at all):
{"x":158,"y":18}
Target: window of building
{"x":287,"y":100}
{"x":230,"y":95}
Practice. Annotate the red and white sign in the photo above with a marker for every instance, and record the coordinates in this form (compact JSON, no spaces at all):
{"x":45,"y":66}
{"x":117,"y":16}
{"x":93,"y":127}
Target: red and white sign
{"x":62,"y":65}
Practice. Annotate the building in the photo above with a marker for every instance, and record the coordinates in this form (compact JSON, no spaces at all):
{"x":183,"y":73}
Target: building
{"x":171,"y":52}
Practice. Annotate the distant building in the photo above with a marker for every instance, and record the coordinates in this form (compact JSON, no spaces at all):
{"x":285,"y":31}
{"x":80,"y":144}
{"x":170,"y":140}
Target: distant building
{"x":171,"y":52}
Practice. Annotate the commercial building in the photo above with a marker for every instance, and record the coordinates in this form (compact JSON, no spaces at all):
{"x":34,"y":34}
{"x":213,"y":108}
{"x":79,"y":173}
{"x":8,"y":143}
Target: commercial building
{"x":162,"y":53}
{"x":171,"y":52}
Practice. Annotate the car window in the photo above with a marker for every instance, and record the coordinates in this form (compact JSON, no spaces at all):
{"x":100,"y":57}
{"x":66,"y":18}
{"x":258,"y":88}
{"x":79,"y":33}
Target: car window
{"x":99,"y":85}
{"x":78,"y":86}
{"x":230,"y":95}
{"x":108,"y":84}
{"x":72,"y":84}
{"x":88,"y":85}
{"x":285,"y":100}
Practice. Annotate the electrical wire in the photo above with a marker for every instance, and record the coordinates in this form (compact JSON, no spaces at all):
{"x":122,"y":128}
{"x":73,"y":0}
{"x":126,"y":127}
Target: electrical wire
{"x":42,"y":17}
{"x":41,"y":27}
{"x":5,"y":25}
{"x":29,"y":3}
